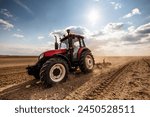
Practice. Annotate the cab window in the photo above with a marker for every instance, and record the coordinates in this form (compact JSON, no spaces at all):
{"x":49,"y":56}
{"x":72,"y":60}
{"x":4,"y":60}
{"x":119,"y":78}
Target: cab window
{"x":64,"y":44}
{"x":76,"y":43}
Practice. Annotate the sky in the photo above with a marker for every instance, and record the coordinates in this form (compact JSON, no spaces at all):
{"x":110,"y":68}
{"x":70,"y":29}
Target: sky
{"x":110,"y":27}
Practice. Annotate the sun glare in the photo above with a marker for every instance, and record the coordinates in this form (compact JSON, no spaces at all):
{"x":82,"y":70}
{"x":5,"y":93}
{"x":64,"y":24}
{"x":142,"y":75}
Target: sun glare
{"x":93,"y":16}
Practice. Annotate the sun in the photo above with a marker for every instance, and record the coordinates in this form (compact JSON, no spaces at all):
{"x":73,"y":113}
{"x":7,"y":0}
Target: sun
{"x":93,"y":16}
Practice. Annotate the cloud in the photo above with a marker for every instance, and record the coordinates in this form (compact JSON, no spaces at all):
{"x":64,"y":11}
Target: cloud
{"x":115,"y":39}
{"x":6,"y":24}
{"x":133,"y":35}
{"x":129,"y":23}
{"x":116,"y":5}
{"x":111,"y":27}
{"x":131,"y":28}
{"x":139,"y":35}
{"x":23,"y":6}
{"x":73,"y":29}
{"x":135,"y":11}
{"x":59,"y":33}
{"x":40,"y":37}
{"x":6,"y":13}
{"x":134,"y":41}
{"x":79,"y":30}
{"x":18,"y":35}
{"x":143,"y":29}
{"x":112,"y":39}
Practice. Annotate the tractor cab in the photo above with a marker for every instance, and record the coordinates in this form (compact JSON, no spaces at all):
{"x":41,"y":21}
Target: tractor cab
{"x":72,"y":43}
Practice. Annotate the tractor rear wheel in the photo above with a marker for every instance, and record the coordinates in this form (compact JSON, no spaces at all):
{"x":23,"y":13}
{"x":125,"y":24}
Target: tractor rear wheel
{"x":86,"y":62}
{"x":53,"y":71}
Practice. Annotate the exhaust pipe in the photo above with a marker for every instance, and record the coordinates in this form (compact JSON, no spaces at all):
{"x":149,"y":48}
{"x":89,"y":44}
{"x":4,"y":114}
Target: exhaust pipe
{"x":56,"y":43}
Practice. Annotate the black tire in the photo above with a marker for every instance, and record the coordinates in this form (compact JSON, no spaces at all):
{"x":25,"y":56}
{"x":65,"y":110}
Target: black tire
{"x":46,"y":73}
{"x":82,"y":62}
{"x":32,"y":70}
{"x":37,"y":76}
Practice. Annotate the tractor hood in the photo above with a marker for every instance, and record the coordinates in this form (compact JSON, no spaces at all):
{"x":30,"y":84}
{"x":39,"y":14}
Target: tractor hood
{"x":53,"y":52}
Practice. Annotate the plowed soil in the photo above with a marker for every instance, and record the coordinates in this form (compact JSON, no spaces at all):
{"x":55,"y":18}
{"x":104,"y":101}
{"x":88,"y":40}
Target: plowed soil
{"x":126,"y":78}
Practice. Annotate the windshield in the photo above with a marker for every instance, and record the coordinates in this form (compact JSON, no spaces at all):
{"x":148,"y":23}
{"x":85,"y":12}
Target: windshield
{"x":64,"y":44}
{"x":76,"y":43}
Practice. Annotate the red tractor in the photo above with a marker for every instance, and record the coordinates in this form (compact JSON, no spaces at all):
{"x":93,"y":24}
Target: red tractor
{"x":54,"y":65}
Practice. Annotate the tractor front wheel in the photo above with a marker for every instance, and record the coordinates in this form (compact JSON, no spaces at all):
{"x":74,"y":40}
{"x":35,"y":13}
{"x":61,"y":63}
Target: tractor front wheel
{"x":86,"y":62}
{"x":53,"y":71}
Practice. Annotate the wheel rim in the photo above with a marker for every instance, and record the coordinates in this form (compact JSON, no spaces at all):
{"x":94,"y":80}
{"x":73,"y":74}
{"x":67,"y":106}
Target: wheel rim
{"x":57,"y":72}
{"x":89,"y":62}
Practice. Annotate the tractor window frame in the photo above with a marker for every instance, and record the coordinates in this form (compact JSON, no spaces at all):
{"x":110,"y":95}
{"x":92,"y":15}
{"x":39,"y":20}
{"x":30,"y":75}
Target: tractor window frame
{"x":82,"y":42}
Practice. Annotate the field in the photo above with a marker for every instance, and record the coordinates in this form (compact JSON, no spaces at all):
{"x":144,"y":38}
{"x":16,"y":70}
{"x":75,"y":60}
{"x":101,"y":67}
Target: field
{"x":127,"y":78}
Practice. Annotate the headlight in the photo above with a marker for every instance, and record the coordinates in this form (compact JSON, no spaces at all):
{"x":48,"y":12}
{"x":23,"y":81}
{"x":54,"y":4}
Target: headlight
{"x":41,"y":56}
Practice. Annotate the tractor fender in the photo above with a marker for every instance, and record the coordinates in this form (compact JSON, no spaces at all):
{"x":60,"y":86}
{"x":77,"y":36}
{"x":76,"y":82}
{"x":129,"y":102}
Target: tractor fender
{"x":82,"y":50}
{"x":44,"y":59}
{"x":63,"y":57}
